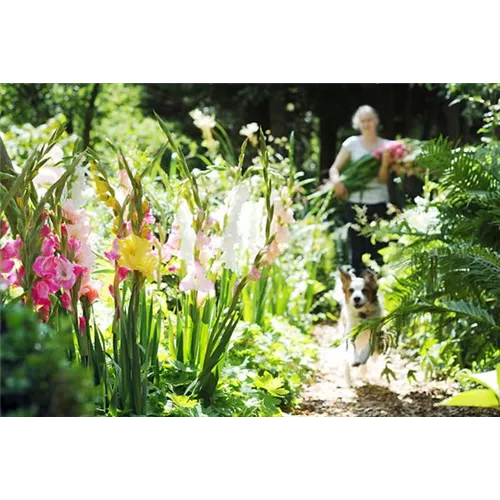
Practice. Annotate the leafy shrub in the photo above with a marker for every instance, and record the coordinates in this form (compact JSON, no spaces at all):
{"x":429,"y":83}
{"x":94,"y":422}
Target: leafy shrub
{"x":36,"y":379}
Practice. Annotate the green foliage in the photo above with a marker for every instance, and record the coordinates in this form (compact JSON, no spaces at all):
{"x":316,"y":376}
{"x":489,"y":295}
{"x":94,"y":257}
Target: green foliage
{"x":36,"y":103}
{"x":129,"y":378}
{"x":263,"y":374}
{"x":487,"y":397}
{"x":443,"y":284}
{"x":36,"y":378}
{"x":482,"y":101}
{"x":265,"y":370}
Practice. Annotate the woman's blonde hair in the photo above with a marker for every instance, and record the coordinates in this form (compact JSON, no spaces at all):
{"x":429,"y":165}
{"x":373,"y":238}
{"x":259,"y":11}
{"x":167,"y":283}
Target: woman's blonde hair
{"x":360,"y":111}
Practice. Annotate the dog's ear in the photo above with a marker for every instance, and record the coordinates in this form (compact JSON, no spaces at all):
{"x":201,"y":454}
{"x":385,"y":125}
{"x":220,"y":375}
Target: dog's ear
{"x":370,"y":277}
{"x":345,"y":277}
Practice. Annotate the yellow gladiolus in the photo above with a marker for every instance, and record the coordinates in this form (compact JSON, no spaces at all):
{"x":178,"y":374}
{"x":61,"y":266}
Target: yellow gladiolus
{"x":137,"y":254}
{"x":101,"y":187}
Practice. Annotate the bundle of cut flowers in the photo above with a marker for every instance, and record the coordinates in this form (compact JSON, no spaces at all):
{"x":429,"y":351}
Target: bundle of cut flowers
{"x":358,"y":173}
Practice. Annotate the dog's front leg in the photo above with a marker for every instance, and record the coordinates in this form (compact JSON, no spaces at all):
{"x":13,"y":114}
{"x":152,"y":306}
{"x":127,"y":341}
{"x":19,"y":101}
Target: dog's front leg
{"x":347,"y":374}
{"x":364,"y":372}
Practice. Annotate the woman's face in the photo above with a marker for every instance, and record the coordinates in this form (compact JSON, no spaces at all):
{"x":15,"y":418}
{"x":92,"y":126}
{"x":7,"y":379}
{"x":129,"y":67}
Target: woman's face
{"x":368,"y":123}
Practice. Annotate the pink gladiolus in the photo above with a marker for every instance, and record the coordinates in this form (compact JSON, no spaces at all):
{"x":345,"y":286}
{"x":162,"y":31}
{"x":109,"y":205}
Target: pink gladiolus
{"x":209,"y":222}
{"x":111,"y":255}
{"x":85,"y":259}
{"x":18,"y":277}
{"x":78,"y":270}
{"x":196,"y":279}
{"x":282,"y":235}
{"x":66,"y":301}
{"x":254,"y":274}
{"x":12,"y":279}
{"x":45,"y":231}
{"x":44,"y":266}
{"x":64,"y":230}
{"x":80,"y":230}
{"x":282,"y":215}
{"x":173,"y":240}
{"x":4,"y":228}
{"x":272,"y":251}
{"x":111,"y":289}
{"x":172,"y":245}
{"x":207,"y":250}
{"x":126,"y":228}
{"x":44,"y":312}
{"x":148,"y":217}
{"x":40,"y":293}
{"x":74,"y":245}
{"x":202,"y":240}
{"x":125,"y":180}
{"x":50,"y":244}
{"x":174,"y":268}
{"x":64,"y":274}
{"x":73,"y":214}
{"x":114,"y":253}
{"x":6,"y":265}
{"x":166,"y":253}
{"x":122,"y":273}
{"x":82,"y":323}
{"x":235,"y":286}
{"x":11,"y":249}
{"x":91,"y":291}
{"x":20,"y":273}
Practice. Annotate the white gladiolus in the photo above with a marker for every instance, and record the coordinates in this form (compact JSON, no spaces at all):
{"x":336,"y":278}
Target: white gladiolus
{"x":184,"y":219}
{"x":421,"y":202}
{"x":49,"y":173}
{"x":252,"y":228}
{"x":78,"y":188}
{"x":424,"y":221}
{"x":412,"y":155}
{"x":230,"y":236}
{"x":249,"y":129}
{"x":201,"y":120}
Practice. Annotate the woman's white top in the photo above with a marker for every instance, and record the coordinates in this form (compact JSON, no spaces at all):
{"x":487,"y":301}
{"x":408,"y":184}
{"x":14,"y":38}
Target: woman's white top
{"x":375,"y":191}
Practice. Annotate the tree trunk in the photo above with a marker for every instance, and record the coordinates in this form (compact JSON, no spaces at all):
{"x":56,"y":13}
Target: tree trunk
{"x":89,"y":115}
{"x":389,"y":118}
{"x":453,"y":121}
{"x":408,"y":114}
{"x":328,"y":128}
{"x":277,"y":113}
{"x":260,"y":114}
{"x":429,"y":117}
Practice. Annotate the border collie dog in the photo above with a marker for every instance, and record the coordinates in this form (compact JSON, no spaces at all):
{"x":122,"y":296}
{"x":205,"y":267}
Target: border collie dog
{"x":360,"y":302}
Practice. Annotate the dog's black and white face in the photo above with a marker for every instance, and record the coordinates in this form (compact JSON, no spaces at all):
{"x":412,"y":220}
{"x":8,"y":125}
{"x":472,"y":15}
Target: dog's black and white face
{"x":359,"y":292}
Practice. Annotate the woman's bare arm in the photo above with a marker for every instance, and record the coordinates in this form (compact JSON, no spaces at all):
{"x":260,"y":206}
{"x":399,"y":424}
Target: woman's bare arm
{"x":339,"y":163}
{"x":385,"y":167}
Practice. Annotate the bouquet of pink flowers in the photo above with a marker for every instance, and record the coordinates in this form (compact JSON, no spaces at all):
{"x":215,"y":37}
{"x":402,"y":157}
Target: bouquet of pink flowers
{"x":403,"y":153}
{"x":397,"y":149}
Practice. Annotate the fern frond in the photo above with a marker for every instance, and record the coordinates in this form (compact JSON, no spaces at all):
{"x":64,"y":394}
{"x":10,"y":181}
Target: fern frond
{"x":436,"y":155}
{"x":469,"y":310}
{"x":470,"y":264}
